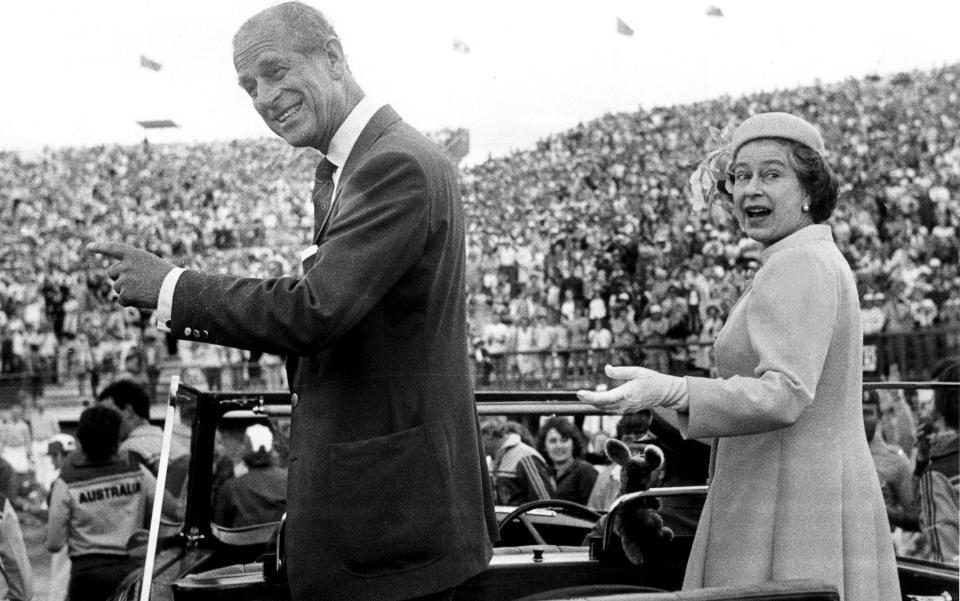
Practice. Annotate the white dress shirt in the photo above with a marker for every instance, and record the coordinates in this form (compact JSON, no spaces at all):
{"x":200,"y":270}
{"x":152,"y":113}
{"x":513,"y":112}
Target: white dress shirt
{"x":340,"y":147}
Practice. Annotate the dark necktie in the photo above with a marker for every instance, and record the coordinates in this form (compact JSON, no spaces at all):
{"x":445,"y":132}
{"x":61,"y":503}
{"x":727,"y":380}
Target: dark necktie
{"x":322,"y":194}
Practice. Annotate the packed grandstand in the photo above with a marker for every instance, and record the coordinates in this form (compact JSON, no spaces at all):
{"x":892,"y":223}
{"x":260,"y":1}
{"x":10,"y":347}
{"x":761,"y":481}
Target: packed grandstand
{"x":585,"y":241}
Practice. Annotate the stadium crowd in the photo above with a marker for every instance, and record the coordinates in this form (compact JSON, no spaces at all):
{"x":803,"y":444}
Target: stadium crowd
{"x":586,"y":240}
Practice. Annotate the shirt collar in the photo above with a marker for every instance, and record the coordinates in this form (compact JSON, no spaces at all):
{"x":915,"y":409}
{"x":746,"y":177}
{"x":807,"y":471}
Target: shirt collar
{"x":810,"y":233}
{"x":349,"y":131}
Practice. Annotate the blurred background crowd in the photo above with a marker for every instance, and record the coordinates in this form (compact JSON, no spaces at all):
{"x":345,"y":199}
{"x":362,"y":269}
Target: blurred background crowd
{"x":585,"y":241}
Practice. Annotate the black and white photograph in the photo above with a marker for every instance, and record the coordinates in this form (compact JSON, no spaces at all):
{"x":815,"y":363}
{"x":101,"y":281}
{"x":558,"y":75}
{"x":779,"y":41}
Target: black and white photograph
{"x":480,"y":301}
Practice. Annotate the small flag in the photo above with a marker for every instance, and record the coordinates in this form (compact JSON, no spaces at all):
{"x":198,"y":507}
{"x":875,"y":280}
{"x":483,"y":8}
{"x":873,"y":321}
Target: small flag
{"x":157,"y":124}
{"x":146,"y":63}
{"x":714,"y":11}
{"x":623,"y":28}
{"x":459,"y":46}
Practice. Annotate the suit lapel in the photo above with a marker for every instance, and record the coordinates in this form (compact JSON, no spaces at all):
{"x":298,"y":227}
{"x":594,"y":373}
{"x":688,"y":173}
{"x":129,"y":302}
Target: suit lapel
{"x":381,"y":120}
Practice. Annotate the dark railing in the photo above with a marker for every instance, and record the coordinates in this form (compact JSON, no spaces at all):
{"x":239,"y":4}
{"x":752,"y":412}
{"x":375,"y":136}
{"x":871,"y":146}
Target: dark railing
{"x":914,"y":352}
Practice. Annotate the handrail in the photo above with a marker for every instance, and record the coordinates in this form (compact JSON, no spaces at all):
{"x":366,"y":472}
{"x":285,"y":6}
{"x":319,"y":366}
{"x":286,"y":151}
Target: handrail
{"x":622,"y":500}
{"x":212,"y":406}
{"x":492,"y":402}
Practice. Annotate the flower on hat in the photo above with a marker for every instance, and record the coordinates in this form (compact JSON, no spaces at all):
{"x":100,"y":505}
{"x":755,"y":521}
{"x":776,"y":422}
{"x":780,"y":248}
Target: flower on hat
{"x":706,"y":191}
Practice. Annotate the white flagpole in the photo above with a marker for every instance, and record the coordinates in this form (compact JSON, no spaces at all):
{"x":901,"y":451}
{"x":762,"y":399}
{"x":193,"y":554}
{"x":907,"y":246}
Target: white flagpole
{"x":158,"y":493}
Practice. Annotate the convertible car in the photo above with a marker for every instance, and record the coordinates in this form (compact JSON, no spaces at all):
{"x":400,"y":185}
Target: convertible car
{"x":547,"y":551}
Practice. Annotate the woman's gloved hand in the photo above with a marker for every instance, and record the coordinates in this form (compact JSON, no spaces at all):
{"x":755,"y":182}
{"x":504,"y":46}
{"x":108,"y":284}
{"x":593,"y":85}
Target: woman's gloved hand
{"x":644,"y":389}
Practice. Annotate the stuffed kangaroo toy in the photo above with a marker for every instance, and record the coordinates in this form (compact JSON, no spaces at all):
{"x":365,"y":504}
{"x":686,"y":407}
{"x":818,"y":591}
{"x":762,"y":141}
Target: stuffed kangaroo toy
{"x":637,"y":523}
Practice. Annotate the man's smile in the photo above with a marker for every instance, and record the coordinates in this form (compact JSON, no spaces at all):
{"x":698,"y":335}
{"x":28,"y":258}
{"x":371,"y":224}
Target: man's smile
{"x":282,"y":117}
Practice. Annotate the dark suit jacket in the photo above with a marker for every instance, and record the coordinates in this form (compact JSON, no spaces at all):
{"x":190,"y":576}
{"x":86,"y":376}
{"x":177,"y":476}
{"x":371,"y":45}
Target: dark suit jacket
{"x":388,"y":494}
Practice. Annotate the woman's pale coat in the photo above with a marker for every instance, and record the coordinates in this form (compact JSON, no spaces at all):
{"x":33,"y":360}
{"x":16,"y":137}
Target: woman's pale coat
{"x":794,"y":492}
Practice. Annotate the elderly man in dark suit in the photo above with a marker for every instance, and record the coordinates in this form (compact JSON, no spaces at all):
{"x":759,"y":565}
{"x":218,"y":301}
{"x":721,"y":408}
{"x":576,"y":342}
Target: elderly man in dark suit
{"x":388,"y":493}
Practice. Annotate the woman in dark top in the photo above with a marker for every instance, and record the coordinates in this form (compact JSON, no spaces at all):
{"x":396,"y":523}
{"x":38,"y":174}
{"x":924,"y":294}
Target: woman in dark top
{"x":560,"y":442}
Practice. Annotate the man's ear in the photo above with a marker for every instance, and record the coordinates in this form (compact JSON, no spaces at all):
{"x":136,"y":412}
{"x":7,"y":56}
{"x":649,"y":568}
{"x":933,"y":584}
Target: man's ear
{"x":617,"y":451}
{"x":334,"y":58}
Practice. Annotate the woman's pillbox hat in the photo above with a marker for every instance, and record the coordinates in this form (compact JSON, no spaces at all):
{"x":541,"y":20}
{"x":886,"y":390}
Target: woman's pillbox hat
{"x":777,"y":125}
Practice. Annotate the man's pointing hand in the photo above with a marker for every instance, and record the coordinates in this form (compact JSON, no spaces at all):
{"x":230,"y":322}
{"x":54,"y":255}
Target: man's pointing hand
{"x":137,"y":275}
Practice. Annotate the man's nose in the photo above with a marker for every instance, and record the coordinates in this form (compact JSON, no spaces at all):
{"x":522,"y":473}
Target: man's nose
{"x":267,"y":95}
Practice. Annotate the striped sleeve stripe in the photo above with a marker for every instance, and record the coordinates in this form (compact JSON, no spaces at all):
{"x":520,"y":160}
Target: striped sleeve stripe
{"x":929,"y":514}
{"x":529,"y":465}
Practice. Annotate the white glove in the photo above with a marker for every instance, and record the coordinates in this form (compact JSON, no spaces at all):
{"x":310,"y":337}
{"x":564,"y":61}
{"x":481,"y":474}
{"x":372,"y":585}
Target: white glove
{"x":646,"y":389}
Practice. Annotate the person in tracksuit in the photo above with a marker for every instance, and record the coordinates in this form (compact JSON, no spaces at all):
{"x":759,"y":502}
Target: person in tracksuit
{"x":97,"y":503}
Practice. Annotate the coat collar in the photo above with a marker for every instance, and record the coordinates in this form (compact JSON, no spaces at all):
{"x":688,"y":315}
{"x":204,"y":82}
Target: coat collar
{"x":349,"y":132}
{"x":384,"y":117}
{"x":810,"y":233}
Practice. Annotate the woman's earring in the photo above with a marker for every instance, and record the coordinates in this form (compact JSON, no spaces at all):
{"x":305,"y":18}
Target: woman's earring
{"x":805,"y":208}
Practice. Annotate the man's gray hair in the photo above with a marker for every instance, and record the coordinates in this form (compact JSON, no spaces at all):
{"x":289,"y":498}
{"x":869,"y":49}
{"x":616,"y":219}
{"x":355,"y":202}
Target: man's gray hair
{"x":306,"y":26}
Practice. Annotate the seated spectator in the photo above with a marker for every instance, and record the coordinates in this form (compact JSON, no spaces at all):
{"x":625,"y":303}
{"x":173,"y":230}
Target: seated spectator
{"x":140,"y":439}
{"x":519,"y":472}
{"x":893,"y":468}
{"x":99,"y":501}
{"x":561,"y":443}
{"x":258,"y":496}
{"x":937,"y":467}
{"x":595,"y":453}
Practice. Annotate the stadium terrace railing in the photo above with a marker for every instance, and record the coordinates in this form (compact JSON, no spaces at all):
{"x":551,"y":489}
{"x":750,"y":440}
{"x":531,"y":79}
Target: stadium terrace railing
{"x":914,"y":352}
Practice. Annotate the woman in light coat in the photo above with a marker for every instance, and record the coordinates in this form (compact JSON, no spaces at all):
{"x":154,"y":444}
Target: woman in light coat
{"x":794,"y":493}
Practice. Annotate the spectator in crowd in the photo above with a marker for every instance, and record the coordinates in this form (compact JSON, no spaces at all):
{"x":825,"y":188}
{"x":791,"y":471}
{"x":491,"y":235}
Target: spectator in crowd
{"x":653,"y":332}
{"x":872,"y":316}
{"x":16,"y":573}
{"x":99,"y":501}
{"x":892,"y":466}
{"x":140,"y":440}
{"x":519,"y":472}
{"x":897,"y":423}
{"x":43,"y":427}
{"x":937,"y":469}
{"x":10,"y":484}
{"x":789,"y":360}
{"x":258,"y":496}
{"x":561,"y":443}
{"x":59,"y":448}
{"x":596,"y":453}
{"x":594,"y":208}
{"x":16,"y":442}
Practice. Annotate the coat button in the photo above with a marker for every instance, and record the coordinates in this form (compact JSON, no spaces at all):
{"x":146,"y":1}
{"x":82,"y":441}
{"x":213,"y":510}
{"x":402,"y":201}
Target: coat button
{"x":205,"y":334}
{"x":196,"y":333}
{"x":294,"y":399}
{"x":186,"y":332}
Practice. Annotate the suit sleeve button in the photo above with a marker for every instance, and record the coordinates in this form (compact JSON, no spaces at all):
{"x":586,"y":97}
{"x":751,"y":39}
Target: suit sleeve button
{"x":187,"y":332}
{"x":294,"y":399}
{"x":205,"y":334}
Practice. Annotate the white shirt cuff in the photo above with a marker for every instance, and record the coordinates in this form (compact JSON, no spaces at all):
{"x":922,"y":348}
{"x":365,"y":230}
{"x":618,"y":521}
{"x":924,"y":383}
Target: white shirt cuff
{"x":308,"y":252}
{"x":165,"y":302}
